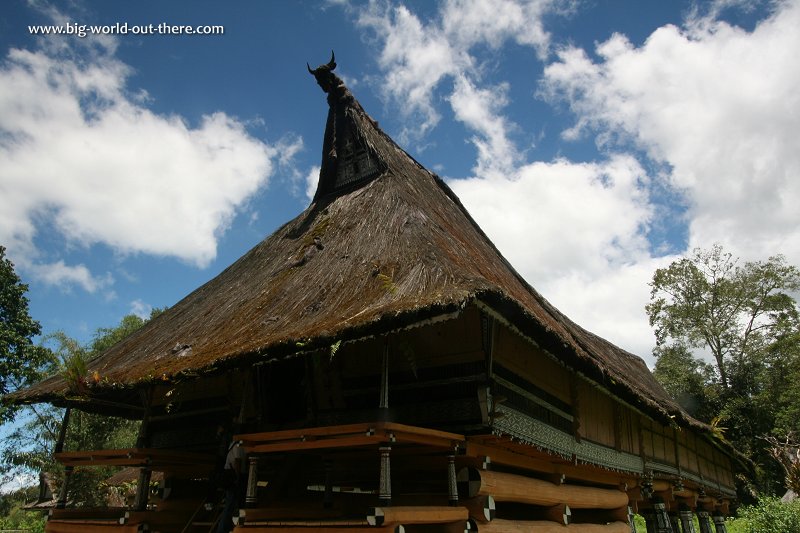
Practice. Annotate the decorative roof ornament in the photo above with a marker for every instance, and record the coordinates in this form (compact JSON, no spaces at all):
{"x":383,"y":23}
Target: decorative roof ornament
{"x":348,"y":161}
{"x":324,"y":74}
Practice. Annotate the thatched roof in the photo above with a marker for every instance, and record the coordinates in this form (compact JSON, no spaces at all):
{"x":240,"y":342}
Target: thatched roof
{"x":383,"y":246}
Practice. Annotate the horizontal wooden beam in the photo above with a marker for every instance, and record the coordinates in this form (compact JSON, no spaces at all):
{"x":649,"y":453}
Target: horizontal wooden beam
{"x":379,"y":516}
{"x":503,"y":456}
{"x":288,"y":528}
{"x":91,"y":526}
{"x":522,"y":489}
{"x":345,"y":436}
{"x":544,"y":526}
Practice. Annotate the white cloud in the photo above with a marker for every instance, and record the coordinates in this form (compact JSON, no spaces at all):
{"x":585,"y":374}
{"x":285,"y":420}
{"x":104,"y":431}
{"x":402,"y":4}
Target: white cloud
{"x":311,"y":182}
{"x":62,"y":275}
{"x":417,"y":56}
{"x":141,"y":309}
{"x":576,"y":232}
{"x":718,"y":105}
{"x":83,"y":156}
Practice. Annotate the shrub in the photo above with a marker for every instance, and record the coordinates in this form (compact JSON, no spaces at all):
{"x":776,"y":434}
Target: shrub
{"x":771,"y":516}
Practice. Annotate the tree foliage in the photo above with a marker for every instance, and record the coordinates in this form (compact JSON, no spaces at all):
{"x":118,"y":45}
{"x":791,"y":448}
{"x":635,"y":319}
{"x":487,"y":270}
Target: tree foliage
{"x":743,"y":317}
{"x":20,"y":358}
{"x":30,"y":444}
{"x":733,"y":310}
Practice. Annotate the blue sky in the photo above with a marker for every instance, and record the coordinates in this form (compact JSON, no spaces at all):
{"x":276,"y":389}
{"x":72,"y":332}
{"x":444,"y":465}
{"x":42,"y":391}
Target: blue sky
{"x":594,"y":141}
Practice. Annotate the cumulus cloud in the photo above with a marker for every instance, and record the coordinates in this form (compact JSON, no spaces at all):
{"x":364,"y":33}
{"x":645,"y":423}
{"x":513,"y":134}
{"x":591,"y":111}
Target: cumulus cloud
{"x":84,"y":156}
{"x":417,"y":56}
{"x":716,"y":104}
{"x":141,"y":309}
{"x":576,"y":232}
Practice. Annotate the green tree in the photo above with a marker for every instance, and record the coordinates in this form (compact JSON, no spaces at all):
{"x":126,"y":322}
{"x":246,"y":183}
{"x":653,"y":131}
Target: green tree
{"x":744,"y":317}
{"x":20,"y":358}
{"x":30,"y":445}
{"x":688,"y":380}
{"x":712,"y":302}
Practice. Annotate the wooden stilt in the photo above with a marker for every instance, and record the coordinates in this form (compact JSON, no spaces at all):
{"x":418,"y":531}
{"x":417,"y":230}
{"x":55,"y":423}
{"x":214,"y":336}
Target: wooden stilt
{"x":327,"y":499}
{"x":62,"y":494}
{"x":385,"y":480}
{"x":704,"y":520}
{"x":251,"y":496}
{"x":662,"y":522}
{"x":719,"y":523}
{"x":687,"y":524}
{"x":649,"y":516}
{"x":675,"y":521}
{"x":142,"y":489}
{"x":383,"y":403}
{"x":452,"y":485}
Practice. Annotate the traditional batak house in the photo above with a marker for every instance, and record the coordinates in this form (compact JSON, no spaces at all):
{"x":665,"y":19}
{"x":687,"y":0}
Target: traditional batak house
{"x":388,"y":370}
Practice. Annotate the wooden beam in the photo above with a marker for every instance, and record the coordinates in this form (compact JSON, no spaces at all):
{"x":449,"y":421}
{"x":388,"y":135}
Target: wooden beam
{"x":544,"y":526}
{"x":502,"y":456}
{"x":290,"y":528}
{"x":91,"y":526}
{"x":481,"y":508}
{"x":522,"y":489}
{"x":379,"y":516}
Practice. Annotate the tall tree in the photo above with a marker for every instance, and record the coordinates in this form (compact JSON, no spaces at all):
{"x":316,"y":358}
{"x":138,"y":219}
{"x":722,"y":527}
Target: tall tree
{"x":743,"y":315}
{"x":733,"y":310}
{"x":20,"y":358}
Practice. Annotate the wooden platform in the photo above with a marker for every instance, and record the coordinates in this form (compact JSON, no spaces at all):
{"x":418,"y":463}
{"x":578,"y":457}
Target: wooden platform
{"x":347,"y":436}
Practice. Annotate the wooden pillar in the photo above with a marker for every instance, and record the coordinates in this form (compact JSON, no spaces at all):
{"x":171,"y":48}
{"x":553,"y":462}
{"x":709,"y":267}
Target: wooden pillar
{"x":704,"y":519}
{"x":452,"y":484}
{"x":142,"y":489}
{"x":662,"y":521}
{"x":327,"y":499}
{"x":675,"y":521}
{"x":62,"y":494}
{"x":385,"y":480}
{"x":251,"y":496}
{"x":383,"y":403}
{"x":719,"y":523}
{"x":687,"y":524}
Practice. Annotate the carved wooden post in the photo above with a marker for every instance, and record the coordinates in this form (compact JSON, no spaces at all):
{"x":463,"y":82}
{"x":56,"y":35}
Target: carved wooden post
{"x":719,"y":523}
{"x":251,"y":496}
{"x":385,"y":480}
{"x":662,"y":521}
{"x":452,"y":484}
{"x":675,"y":521}
{"x":687,"y":524}
{"x":704,"y":519}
